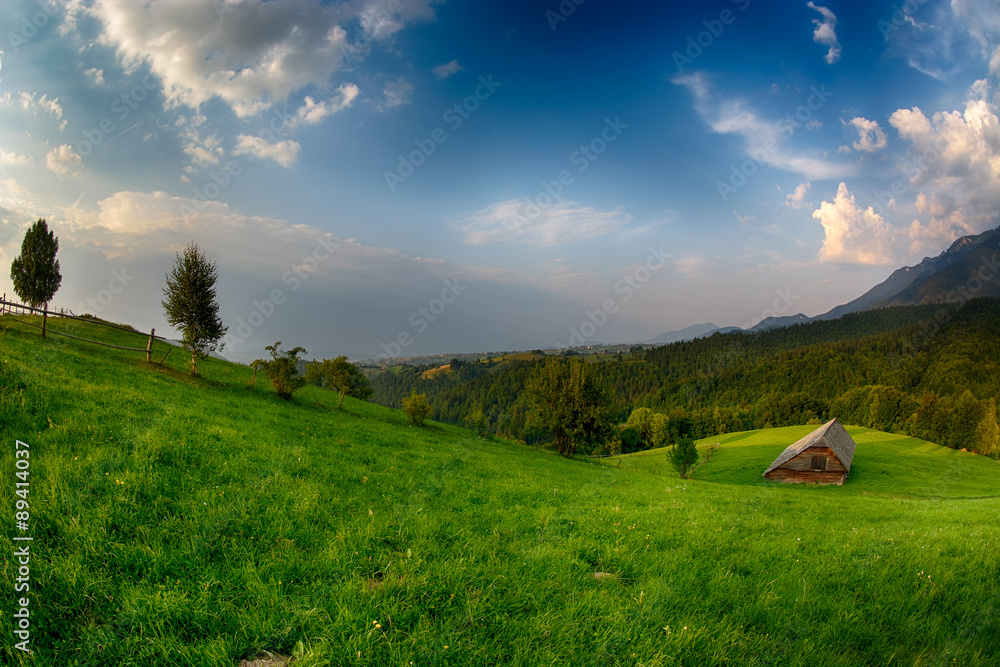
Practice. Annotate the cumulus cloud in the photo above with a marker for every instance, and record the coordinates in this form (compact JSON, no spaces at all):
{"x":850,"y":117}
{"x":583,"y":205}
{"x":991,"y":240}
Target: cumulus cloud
{"x":64,"y":161}
{"x":395,"y":94}
{"x":796,"y":199}
{"x":12,"y":158}
{"x":519,"y":221}
{"x":313,"y":113}
{"x":249,"y":54}
{"x":447,"y":69}
{"x":744,"y":219}
{"x":285,"y":153}
{"x":96,"y":74}
{"x":766,"y":140}
{"x":955,"y":166}
{"x":854,"y":235}
{"x":826,"y":33}
{"x":871,"y":138}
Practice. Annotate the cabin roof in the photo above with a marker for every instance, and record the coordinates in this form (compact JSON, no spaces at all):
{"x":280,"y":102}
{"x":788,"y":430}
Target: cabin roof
{"x":831,"y":434}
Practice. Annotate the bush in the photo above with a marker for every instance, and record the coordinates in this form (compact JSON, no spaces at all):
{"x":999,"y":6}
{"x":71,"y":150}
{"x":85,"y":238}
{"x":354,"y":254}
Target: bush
{"x":683,"y":456}
{"x":416,"y":408}
{"x":283,"y":370}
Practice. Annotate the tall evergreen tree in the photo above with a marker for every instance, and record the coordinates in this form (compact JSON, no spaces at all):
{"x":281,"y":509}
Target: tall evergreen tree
{"x":35,"y":272}
{"x":190,"y":304}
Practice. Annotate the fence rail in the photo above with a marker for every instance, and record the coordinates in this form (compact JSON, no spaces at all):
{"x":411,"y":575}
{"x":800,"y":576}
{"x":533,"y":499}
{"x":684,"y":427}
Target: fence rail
{"x":14,"y":308}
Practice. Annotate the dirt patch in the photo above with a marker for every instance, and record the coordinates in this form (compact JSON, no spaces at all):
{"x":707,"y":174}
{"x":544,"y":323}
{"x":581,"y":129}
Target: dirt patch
{"x":267,"y":659}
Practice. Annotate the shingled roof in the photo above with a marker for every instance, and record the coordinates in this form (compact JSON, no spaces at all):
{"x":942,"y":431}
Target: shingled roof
{"x":832,"y":434}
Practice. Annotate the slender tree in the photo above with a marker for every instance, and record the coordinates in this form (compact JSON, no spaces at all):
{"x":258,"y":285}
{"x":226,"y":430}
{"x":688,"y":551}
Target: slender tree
{"x":35,"y":272}
{"x":190,"y":304}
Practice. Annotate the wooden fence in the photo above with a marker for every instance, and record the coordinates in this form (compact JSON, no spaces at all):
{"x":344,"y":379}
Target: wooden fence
{"x":14,"y":308}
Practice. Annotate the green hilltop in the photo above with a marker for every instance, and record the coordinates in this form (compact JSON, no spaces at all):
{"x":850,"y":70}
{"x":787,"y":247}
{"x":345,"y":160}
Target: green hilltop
{"x":190,"y":521}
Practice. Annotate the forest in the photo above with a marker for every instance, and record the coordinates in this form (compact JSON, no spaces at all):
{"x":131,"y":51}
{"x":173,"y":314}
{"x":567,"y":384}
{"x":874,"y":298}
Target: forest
{"x":929,"y":371}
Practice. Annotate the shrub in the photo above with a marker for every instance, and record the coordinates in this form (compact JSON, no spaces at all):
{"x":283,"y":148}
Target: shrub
{"x":283,"y":370}
{"x":416,"y":408}
{"x":683,"y":456}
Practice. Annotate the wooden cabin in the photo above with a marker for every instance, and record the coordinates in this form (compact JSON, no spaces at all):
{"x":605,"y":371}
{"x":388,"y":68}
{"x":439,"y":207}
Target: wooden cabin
{"x":822,"y":457}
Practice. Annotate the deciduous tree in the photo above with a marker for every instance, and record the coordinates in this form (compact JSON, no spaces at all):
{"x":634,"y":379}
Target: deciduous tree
{"x":190,"y":304}
{"x":568,"y":400}
{"x":35,"y":272}
{"x":342,"y":375}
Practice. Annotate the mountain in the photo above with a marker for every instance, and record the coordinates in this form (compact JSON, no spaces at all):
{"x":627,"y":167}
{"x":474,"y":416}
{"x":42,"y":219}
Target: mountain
{"x":776,"y":322}
{"x":932,"y":279}
{"x":688,"y":333}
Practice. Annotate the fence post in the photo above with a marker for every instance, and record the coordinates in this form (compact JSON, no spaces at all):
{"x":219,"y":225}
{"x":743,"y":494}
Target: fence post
{"x":149,"y":346}
{"x":45,"y":314}
{"x":254,"y":378}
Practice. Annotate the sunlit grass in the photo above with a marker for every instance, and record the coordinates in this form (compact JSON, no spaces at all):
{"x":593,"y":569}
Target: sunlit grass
{"x":189,"y":521}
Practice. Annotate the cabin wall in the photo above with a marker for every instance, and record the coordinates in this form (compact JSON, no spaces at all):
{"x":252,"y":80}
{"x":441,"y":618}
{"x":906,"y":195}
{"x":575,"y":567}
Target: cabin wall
{"x":806,"y":477}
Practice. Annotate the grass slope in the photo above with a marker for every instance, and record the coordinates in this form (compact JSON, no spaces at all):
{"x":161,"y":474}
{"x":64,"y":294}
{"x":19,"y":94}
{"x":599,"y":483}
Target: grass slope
{"x":182,"y":521}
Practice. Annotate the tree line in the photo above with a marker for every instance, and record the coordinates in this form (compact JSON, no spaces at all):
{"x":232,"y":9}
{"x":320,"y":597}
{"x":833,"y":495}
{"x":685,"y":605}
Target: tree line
{"x":927,"y":371}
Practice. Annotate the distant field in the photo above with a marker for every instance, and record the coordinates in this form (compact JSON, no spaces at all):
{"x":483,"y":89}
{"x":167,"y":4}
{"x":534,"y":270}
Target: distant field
{"x":181,"y":521}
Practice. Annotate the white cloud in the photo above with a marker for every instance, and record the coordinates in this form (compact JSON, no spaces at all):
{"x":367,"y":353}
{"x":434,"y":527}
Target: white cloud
{"x":826,"y":33}
{"x":285,"y":153}
{"x":447,"y":69}
{"x":519,"y":221}
{"x":12,"y":158}
{"x":948,"y":39}
{"x":33,"y":104}
{"x":744,"y":219}
{"x":249,"y":54}
{"x":96,"y":74}
{"x":955,"y":165}
{"x":204,"y":146}
{"x":64,"y":161}
{"x":854,"y":235}
{"x":395,"y":94}
{"x":871,"y":138}
{"x":766,"y":141}
{"x":796,"y":199}
{"x":312,"y":112}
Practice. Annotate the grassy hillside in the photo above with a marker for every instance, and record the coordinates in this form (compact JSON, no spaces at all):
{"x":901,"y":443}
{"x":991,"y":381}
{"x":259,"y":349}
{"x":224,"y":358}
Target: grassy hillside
{"x":181,"y":521}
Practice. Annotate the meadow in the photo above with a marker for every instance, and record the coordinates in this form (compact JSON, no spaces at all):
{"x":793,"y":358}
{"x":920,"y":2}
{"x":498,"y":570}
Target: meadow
{"x":190,"y":521}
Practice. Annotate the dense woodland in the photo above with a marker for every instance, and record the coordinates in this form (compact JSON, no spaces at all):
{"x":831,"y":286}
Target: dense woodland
{"x":928,"y":371}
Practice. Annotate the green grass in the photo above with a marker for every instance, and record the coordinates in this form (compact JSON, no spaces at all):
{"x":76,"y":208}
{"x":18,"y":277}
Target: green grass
{"x":188,"y":521}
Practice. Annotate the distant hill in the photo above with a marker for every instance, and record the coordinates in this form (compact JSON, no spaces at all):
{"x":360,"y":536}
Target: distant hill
{"x":687,"y":333}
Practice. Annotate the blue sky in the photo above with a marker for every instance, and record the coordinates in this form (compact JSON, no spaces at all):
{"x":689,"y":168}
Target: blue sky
{"x":408,"y":177}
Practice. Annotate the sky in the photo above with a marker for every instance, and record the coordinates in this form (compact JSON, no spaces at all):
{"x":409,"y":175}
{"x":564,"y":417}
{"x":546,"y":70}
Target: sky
{"x":414,"y":177}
